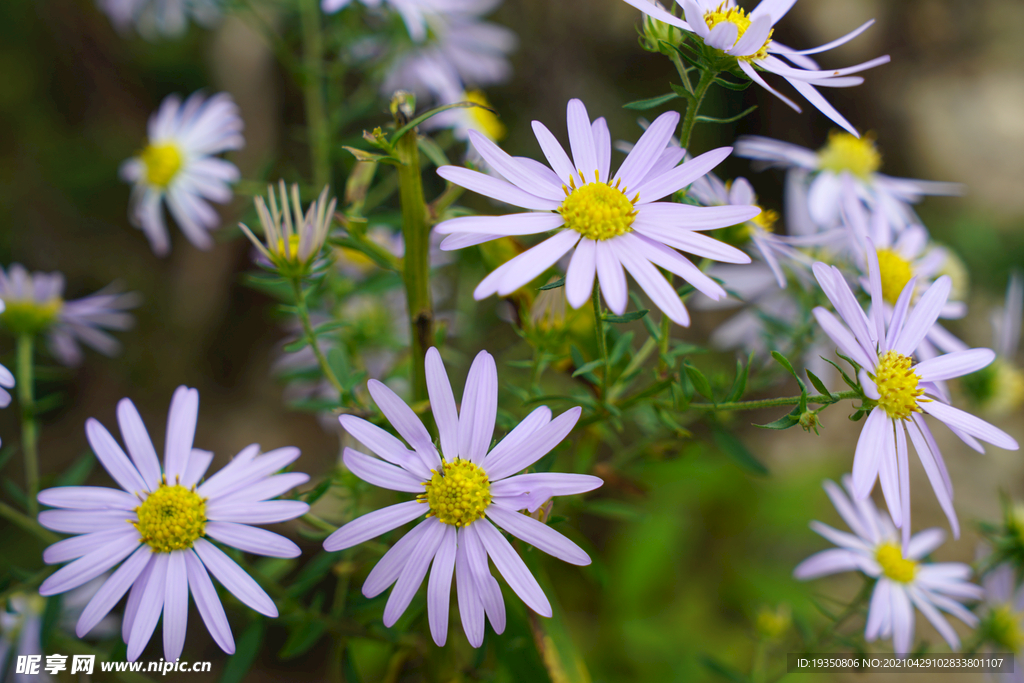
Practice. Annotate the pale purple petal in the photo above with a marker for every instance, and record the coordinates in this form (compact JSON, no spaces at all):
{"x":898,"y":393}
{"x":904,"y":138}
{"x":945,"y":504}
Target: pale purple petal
{"x":654,"y":284}
{"x":868,"y":456}
{"x":776,"y":9}
{"x":902,"y":620}
{"x":752,"y":74}
{"x":933,"y":616}
{"x":181,"y":431}
{"x":439,"y":586}
{"x":513,"y":171}
{"x":954,"y":364}
{"x":843,"y":339}
{"x":923,"y":543}
{"x":611,"y":277}
{"x":209,"y":605}
{"x":847,"y":511}
{"x":553,"y":152}
{"x":487,"y":587}
{"x":198,"y":463}
{"x":257,"y":468}
{"x":405,"y":422}
{"x":234,"y":578}
{"x":670,"y":219}
{"x":540,"y":416}
{"x":969,"y":424}
{"x":113,"y":459}
{"x":512,"y":568}
{"x":840,"y":538}
{"x":646,"y":151}
{"x":539,"y":535}
{"x":379,"y":473}
{"x":722,"y":36}
{"x":131,"y":606}
{"x":140,"y":446}
{"x":442,"y":403}
{"x":674,"y":262}
{"x":385,"y":445}
{"x":903,"y":457}
{"x":653,"y":189}
{"x":374,"y":524}
{"x":88,"y":498}
{"x":495,"y":188}
{"x":78,"y":546}
{"x":112,"y":590}
{"x":546,"y":485}
{"x":879,"y":611}
{"x":889,"y":475}
{"x":387,"y":570}
{"x":175,"y":605}
{"x":151,"y":603}
{"x":658,"y":13}
{"x":518,"y":271}
{"x":258,"y":512}
{"x":415,"y":569}
{"x":579,"y":278}
{"x":479,"y":409}
{"x":471,"y":606}
{"x":252,"y":539}
{"x":931,"y":468}
{"x":831,"y":561}
{"x":269,"y":487}
{"x":924,"y":315}
{"x":602,"y":146}
{"x":85,"y":521}
{"x":581,"y":139}
{"x":754,"y":37}
{"x":513,"y":224}
{"x":226,"y":477}
{"x":533,"y":448}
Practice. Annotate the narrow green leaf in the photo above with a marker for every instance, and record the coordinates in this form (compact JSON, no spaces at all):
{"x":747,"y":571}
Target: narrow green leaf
{"x":784,"y":362}
{"x":846,"y":378}
{"x":363,"y":155}
{"x":397,"y":135}
{"x":433,"y":151}
{"x":731,"y":445}
{"x":732,"y":85}
{"x":651,"y":102}
{"x":78,"y":472}
{"x":246,"y":649}
{"x":820,"y":386}
{"x":700,"y":382}
{"x":15,"y":493}
{"x":632,"y":316}
{"x":588,"y":367}
{"x":731,"y":119}
{"x":742,"y":374}
{"x":623,"y":344}
{"x":296,"y":345}
{"x":723,"y":670}
{"x":329,"y":326}
{"x":301,"y":639}
{"x":784,"y":422}
{"x":553,"y":285}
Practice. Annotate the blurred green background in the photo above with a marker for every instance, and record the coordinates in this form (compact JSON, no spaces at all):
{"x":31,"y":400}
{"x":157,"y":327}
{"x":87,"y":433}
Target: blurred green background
{"x":688,"y":548}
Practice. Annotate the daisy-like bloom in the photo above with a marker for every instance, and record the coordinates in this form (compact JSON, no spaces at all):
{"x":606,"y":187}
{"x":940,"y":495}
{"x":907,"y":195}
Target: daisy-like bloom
{"x":153,"y":18}
{"x":901,"y":390}
{"x":610,"y":222}
{"x":844,"y":156}
{"x":6,"y":378}
{"x":158,"y":526}
{"x":999,"y":388}
{"x":903,"y":580}
{"x":34,"y":304}
{"x":292,"y":239}
{"x":178,"y":165}
{"x":463,"y":496}
{"x":748,"y":38}
{"x":417,"y":13}
{"x":1002,"y":623}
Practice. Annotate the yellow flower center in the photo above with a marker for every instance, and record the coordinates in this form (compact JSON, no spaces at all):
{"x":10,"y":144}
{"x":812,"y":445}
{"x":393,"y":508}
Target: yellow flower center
{"x":485,"y":119}
{"x":171,"y":518}
{"x":739,"y":18}
{"x":27,"y":316}
{"x":896,"y":273}
{"x":765,"y":220}
{"x":459,"y":494}
{"x":844,"y":152}
{"x":292,"y":254}
{"x":596,"y":210}
{"x":162,"y":162}
{"x":890,"y":557}
{"x":1003,"y":627}
{"x":897,"y":384}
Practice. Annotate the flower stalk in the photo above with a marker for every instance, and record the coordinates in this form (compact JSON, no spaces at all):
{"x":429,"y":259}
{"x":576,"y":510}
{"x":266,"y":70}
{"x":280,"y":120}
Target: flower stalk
{"x":313,"y":91}
{"x":29,"y":426}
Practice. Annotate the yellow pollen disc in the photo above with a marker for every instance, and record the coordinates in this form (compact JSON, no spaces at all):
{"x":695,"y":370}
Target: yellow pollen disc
{"x":171,"y":518}
{"x":894,"y":566}
{"x":739,"y":18}
{"x":896,"y":273}
{"x":897,"y":384}
{"x":598,"y":211}
{"x":485,"y":119}
{"x":293,"y":248}
{"x":162,"y":162}
{"x":459,"y":494}
{"x":844,"y":152}
{"x":30,"y":316}
{"x":765,"y":220}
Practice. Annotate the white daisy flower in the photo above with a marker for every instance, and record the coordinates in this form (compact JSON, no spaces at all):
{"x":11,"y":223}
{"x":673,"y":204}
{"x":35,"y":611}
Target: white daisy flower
{"x":608,"y":224}
{"x":178,"y":165}
{"x":748,"y":38}
{"x":158,"y":526}
{"x":902,"y":390}
{"x":1002,"y":623}
{"x":903,"y":580}
{"x":463,"y":496}
{"x":153,"y":18}
{"x":34,"y":304}
{"x":844,"y":156}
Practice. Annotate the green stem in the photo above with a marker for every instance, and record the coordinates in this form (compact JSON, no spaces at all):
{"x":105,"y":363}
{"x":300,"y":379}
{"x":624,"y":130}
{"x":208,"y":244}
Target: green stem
{"x":772,"y":402}
{"x":28,"y":524}
{"x":313,"y":90}
{"x":307,"y":328}
{"x":602,"y":343}
{"x":416,"y":263}
{"x":29,"y":426}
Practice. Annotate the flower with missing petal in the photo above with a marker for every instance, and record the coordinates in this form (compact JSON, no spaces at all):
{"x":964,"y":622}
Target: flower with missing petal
{"x":463,"y":495}
{"x":903,"y":580}
{"x":178,"y":165}
{"x":748,"y":39}
{"x":156,"y":527}
{"x":818,"y":178}
{"x":610,"y":223}
{"x":901,"y":391}
{"x":34,"y":304}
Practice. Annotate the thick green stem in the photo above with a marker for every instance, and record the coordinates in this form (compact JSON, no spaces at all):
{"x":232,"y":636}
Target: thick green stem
{"x":307,"y":328}
{"x":416,"y":263}
{"x":313,"y":90}
{"x":602,"y":343}
{"x":773,"y":402}
{"x":29,"y":426}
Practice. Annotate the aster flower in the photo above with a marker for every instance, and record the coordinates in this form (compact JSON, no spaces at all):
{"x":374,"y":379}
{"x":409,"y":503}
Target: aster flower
{"x":34,"y":304}
{"x":463,"y":496}
{"x":608,"y":224}
{"x":292,"y":239}
{"x":154,"y":18}
{"x":748,"y":38}
{"x":901,"y":390}
{"x":844,"y":156}
{"x":999,"y":388}
{"x":158,"y":526}
{"x":178,"y":166}
{"x":903,"y":580}
{"x":1002,"y":621}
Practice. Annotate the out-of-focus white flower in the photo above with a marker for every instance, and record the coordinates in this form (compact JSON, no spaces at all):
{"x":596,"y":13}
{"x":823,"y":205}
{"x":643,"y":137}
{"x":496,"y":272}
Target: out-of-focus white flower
{"x":1002,"y":621}
{"x":153,"y":18}
{"x":748,"y":38}
{"x":844,"y":156}
{"x":178,"y":166}
{"x":156,"y":526}
{"x":608,"y":223}
{"x":903,"y":580}
{"x":999,"y":388}
{"x":34,"y":304}
{"x":292,"y":240}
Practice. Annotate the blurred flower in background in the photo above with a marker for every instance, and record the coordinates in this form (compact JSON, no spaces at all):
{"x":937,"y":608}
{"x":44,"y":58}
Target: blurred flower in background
{"x":160,"y":18}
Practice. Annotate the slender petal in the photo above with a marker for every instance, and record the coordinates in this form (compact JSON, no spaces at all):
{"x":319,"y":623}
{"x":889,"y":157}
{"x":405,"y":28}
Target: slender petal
{"x":479,"y":408}
{"x":208,"y":604}
{"x":175,"y":605}
{"x":442,"y":403}
{"x":113,"y":459}
{"x":955,"y":364}
{"x":970,"y":424}
{"x":88,"y":498}
{"x":252,"y":539}
{"x":405,"y":422}
{"x":374,"y":524}
{"x":379,"y":473}
{"x":415,"y":569}
{"x":870,"y":445}
{"x":140,"y":446}
{"x":513,"y":171}
{"x":495,"y":188}
{"x":234,"y":578}
{"x":553,"y":152}
{"x":512,"y":568}
{"x":439,"y":586}
{"x":385,"y":445}
{"x":471,"y":606}
{"x":581,"y":139}
{"x":151,"y":603}
{"x":259,"y":512}
{"x":539,"y":417}
{"x":539,"y":535}
{"x":181,"y":430}
{"x":653,"y":189}
{"x":112,"y":590}
{"x":611,"y":277}
{"x":579,"y":278}
{"x":533,"y":448}
{"x":647,"y":150}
